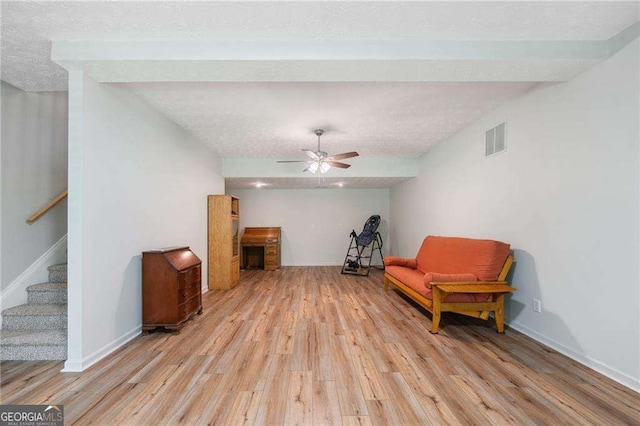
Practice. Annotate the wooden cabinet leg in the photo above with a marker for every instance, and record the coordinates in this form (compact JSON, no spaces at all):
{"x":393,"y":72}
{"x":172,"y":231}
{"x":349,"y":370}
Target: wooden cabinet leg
{"x":386,"y":284}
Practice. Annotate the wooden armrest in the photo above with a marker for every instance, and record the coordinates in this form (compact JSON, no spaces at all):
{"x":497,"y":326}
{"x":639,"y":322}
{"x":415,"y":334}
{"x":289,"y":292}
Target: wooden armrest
{"x":474,"y":287}
{"x":441,"y":283}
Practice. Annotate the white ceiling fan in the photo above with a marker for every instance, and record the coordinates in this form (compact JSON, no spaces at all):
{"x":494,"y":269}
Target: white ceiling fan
{"x":320,"y":160}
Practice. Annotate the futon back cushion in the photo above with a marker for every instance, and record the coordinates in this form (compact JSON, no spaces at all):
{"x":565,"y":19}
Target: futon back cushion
{"x":451,"y":255}
{"x":430,"y":277}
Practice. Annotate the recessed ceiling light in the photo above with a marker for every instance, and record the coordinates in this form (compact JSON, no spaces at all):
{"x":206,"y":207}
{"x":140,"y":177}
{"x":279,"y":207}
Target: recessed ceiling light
{"x":340,"y":184}
{"x":259,"y":184}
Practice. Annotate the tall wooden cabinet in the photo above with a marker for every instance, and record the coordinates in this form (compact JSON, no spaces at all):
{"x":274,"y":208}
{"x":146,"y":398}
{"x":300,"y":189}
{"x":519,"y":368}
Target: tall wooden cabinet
{"x":224,"y":244}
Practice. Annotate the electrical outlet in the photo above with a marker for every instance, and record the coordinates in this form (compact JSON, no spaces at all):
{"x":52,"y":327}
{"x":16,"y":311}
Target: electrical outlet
{"x":537,"y":305}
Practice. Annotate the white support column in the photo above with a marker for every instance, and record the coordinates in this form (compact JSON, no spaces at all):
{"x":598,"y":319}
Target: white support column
{"x":74,"y":218}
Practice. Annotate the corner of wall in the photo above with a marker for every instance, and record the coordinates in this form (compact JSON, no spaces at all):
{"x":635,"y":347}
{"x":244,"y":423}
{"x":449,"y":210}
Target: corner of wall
{"x":79,"y":365}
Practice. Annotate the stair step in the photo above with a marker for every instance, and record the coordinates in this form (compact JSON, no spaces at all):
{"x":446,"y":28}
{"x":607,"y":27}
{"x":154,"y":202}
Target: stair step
{"x":33,"y":345}
{"x":48,"y":293}
{"x":35,"y":317}
{"x":58,"y":273}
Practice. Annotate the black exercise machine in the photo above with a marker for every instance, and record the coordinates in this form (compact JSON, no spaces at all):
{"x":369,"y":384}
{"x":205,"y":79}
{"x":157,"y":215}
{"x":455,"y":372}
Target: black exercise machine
{"x":358,"y":258}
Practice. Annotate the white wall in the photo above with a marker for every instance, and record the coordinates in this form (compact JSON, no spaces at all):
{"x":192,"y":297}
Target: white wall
{"x":34,"y":171}
{"x":138,"y":182}
{"x":316,"y":223}
{"x":565,"y":195}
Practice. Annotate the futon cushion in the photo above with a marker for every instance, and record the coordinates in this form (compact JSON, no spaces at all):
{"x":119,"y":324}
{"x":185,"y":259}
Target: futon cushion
{"x":399,"y":261}
{"x":415,"y":280}
{"x":410,"y":277}
{"x":451,"y":255}
{"x":430,"y":277}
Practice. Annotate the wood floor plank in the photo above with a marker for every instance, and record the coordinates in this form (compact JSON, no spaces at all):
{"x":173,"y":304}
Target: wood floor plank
{"x":300,"y":399}
{"x":350,"y":395}
{"x":323,"y":368}
{"x":245,"y":408}
{"x":356,"y":421}
{"x":287,"y":333}
{"x":193,"y":406}
{"x":485,"y":403}
{"x":308,"y":345}
{"x":405,"y":402}
{"x":302,"y":350}
{"x":369,"y":377}
{"x":272,"y":406}
{"x":383,"y":412}
{"x":326,"y":407}
{"x":421,"y":386}
{"x":102,"y":411}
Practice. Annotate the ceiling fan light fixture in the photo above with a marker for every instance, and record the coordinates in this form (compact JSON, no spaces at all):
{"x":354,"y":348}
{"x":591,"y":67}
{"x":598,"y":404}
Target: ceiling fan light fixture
{"x":324,"y":167}
{"x":313,"y":167}
{"x":320,"y":160}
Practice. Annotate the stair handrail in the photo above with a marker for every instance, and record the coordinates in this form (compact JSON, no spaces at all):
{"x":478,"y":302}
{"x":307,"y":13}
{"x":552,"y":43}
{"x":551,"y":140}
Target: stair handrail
{"x":48,"y":207}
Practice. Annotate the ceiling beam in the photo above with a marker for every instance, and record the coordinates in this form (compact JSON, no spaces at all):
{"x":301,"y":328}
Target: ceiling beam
{"x":343,"y":60}
{"x":325,"y":50}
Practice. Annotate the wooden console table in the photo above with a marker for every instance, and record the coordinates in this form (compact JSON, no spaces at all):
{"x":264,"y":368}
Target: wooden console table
{"x":261,"y":248}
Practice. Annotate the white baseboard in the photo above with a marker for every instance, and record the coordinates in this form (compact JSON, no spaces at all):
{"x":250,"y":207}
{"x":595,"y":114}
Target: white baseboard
{"x":16,"y":293}
{"x":81,"y":365}
{"x":72,"y":366}
{"x":612,"y":373}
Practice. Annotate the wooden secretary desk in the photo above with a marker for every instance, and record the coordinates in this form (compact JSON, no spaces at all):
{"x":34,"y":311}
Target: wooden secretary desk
{"x":171,"y":288}
{"x":261,"y":248}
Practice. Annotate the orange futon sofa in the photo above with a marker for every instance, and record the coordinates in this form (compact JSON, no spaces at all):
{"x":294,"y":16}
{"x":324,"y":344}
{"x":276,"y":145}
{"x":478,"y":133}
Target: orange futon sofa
{"x":460,"y":275}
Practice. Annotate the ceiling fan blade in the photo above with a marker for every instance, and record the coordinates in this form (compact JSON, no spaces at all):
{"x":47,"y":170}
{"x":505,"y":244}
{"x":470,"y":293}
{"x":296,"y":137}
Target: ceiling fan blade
{"x":343,"y":156}
{"x":311,"y":154}
{"x":339,"y":165}
{"x":291,"y":161}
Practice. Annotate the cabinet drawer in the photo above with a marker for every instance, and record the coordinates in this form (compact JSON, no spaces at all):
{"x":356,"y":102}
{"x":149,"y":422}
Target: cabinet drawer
{"x":190,"y":276}
{"x":188,"y":292}
{"x":186,"y":309}
{"x":271,"y":249}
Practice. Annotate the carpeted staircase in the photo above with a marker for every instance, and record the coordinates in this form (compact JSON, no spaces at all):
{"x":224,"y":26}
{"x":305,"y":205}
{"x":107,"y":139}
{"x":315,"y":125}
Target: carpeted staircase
{"x":38,"y":329}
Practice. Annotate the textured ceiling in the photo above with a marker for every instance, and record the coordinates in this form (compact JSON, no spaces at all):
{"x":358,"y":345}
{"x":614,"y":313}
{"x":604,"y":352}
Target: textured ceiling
{"x":313,"y":182}
{"x":29,"y":27}
{"x":276,"y":120}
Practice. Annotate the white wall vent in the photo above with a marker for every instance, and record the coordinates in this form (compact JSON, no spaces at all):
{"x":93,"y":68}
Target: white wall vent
{"x":496,"y":140}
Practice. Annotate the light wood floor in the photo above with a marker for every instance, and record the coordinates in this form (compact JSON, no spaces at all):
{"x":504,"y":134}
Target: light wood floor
{"x":310,"y":346}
